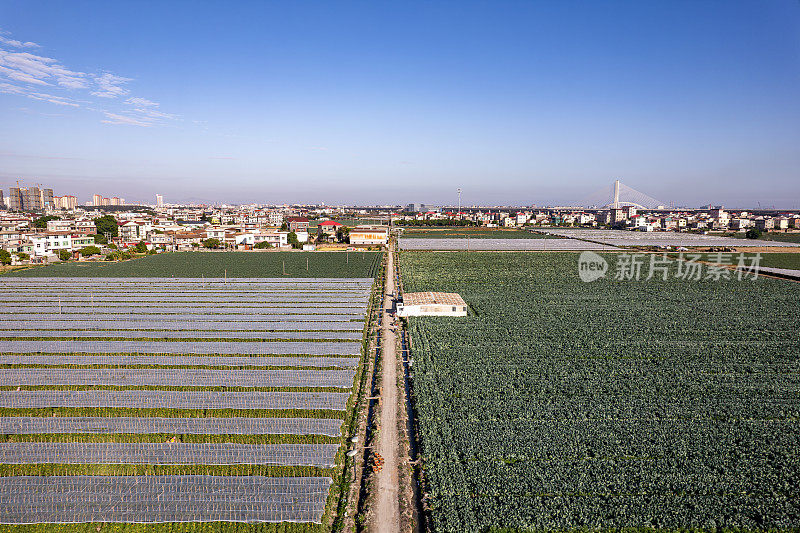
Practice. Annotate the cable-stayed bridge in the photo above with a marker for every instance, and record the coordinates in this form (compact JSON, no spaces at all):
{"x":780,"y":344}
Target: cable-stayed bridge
{"x":620,"y":195}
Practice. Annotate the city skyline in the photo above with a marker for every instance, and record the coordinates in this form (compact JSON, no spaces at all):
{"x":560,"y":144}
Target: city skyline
{"x":516,"y":103}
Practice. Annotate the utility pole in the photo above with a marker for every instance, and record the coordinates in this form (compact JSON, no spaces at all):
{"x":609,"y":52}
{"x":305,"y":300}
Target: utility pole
{"x":459,"y":203}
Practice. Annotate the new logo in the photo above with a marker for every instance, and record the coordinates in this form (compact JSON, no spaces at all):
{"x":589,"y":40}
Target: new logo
{"x":591,"y":266}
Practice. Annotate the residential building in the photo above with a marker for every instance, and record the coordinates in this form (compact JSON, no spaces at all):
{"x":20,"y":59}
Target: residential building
{"x":133,"y":231}
{"x":27,"y":198}
{"x":297,"y":224}
{"x":275,"y":238}
{"x":46,"y":199}
{"x":65,"y":202}
{"x":275,"y":218}
{"x":159,"y":200}
{"x":764,"y":224}
{"x":328,"y":227}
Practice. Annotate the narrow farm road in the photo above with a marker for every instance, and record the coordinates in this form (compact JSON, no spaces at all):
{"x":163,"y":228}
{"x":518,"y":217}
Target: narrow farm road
{"x":387,"y":513}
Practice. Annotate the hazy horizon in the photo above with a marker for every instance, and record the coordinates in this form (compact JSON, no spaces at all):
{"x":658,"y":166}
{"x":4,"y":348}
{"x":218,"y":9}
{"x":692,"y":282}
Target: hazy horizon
{"x":517,"y":103}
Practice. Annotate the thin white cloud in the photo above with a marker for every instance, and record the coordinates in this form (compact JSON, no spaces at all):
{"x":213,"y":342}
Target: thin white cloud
{"x":109,"y":85}
{"x":18,"y":44}
{"x":113,"y":118}
{"x":147,"y":110}
{"x":39,"y":70}
{"x":141,"y":102}
{"x":30,"y":75}
{"x":7,"y":88}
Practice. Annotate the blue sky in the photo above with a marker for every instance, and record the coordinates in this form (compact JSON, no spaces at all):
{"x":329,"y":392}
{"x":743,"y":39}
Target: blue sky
{"x":392,"y":102}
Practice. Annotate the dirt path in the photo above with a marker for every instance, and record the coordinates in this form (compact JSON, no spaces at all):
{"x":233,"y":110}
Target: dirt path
{"x":387,"y":512}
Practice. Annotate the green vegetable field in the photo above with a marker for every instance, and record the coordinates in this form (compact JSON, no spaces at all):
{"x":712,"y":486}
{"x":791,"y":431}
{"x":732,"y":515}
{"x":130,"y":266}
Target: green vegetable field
{"x":221,"y":264}
{"x":559,"y":404}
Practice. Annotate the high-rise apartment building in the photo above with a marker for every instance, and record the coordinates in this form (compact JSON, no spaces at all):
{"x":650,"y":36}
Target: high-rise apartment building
{"x":15,"y":199}
{"x":30,"y":199}
{"x":46,"y":198}
{"x":65,"y":202}
{"x":159,"y":200}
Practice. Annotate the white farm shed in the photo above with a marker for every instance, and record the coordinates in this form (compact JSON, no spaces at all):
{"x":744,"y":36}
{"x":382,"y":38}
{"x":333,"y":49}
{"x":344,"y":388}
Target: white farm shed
{"x":431,"y":304}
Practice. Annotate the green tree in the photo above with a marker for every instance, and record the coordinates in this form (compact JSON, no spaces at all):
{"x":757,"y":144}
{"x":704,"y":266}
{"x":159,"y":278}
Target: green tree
{"x":5,"y":257}
{"x":88,"y":251}
{"x":292,"y":239}
{"x":64,"y":255}
{"x":107,"y":224}
{"x":343,"y":234}
{"x":211,"y":243}
{"x":284,"y":227}
{"x":100,"y":239}
{"x":752,"y":233}
{"x":262,"y":245}
{"x":41,"y":222}
{"x":140,"y":247}
{"x":22,"y":256}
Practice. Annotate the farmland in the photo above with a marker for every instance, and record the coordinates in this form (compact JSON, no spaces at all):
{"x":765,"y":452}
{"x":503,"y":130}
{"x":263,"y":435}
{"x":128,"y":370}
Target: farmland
{"x":472,"y":233}
{"x":771,"y":260}
{"x":487,"y":244}
{"x":220,"y":265}
{"x":661,"y":238}
{"x":559,"y":404}
{"x":141,"y":398}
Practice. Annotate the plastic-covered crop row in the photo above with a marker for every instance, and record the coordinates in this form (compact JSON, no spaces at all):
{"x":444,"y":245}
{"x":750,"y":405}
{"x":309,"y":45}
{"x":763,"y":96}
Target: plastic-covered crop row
{"x":167,"y":307}
{"x":501,"y":244}
{"x":180,"y":426}
{"x":177,"y":360}
{"x":182,"y":298}
{"x":181,"y":347}
{"x":203,"y":335}
{"x":75,"y":280}
{"x":167,"y":453}
{"x":150,"y":499}
{"x":176,"y":377}
{"x":220,"y":284}
{"x":158,"y":399}
{"x":182,"y":324}
{"x":99,"y":313}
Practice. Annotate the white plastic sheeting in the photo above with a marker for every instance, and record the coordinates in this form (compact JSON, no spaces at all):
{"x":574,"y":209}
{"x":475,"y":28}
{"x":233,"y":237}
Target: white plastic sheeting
{"x":203,"y":335}
{"x":177,"y":360}
{"x":183,"y":324}
{"x":157,"y":399}
{"x":237,"y":313}
{"x":180,"y":426}
{"x":181,"y":347}
{"x":176,"y":377}
{"x":167,"y":453}
{"x":151,"y":499}
{"x":659,"y":238}
{"x":501,"y":244}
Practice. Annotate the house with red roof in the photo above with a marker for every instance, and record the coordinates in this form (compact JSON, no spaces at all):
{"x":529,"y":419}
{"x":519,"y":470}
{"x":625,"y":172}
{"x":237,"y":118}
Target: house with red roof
{"x":328,"y":227}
